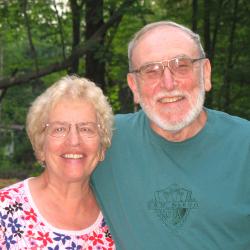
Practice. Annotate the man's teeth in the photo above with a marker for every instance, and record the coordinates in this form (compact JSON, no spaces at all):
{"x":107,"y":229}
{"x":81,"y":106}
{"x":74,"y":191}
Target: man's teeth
{"x":73,"y":156}
{"x":170,"y":99}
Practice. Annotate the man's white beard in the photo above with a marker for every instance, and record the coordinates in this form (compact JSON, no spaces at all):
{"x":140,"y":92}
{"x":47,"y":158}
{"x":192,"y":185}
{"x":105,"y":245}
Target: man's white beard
{"x":192,"y":114}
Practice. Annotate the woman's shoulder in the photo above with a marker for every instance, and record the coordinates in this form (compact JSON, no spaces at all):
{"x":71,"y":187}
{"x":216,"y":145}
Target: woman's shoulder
{"x":13,"y":188}
{"x":10,"y":194}
{"x":100,"y":229}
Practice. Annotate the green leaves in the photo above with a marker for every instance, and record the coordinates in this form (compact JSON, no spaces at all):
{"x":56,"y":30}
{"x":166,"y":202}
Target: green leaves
{"x":44,"y":38}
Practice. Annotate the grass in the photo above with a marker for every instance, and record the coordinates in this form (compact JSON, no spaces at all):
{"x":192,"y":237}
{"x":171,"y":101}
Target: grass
{"x":7,"y":182}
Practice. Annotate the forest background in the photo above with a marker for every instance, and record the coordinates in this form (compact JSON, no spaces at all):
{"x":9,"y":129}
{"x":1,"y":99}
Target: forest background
{"x":42,"y":40}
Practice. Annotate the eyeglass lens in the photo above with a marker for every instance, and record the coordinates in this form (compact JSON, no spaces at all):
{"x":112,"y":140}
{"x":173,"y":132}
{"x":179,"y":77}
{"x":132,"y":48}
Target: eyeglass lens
{"x":179,"y":67}
{"x":61,"y":129}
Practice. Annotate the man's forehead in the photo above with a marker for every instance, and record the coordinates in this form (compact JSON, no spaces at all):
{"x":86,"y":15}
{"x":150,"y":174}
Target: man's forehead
{"x":164,"y":31}
{"x":164,"y":41}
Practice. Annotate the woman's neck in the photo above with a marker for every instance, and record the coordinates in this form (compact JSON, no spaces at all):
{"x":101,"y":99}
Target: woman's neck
{"x":70,"y":206}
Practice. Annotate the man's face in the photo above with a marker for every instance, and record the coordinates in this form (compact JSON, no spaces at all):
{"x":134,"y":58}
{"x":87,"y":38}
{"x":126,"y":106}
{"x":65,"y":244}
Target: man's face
{"x":171,"y":102}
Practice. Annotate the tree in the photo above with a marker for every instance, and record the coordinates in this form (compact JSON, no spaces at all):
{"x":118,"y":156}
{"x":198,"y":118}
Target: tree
{"x":43,"y":40}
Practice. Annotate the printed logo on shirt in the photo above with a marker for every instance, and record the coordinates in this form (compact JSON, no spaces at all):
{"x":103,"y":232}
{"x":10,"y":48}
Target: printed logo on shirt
{"x":173,"y":205}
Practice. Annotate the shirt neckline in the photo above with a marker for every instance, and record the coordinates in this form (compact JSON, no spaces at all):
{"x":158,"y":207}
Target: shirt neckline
{"x":55,"y":229}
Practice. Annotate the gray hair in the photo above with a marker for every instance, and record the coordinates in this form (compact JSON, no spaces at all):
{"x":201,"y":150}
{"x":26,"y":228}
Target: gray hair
{"x":195,"y":37}
{"x":70,"y":87}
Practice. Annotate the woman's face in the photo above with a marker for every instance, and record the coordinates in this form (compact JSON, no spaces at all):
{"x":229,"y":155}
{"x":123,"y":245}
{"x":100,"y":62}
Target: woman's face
{"x":74,"y":156}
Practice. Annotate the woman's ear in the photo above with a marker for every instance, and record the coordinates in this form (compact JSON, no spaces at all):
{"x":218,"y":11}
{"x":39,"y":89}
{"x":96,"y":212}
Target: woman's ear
{"x":41,"y":158}
{"x":102,"y":154}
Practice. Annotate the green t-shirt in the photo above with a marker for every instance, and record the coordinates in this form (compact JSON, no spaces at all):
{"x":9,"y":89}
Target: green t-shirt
{"x":190,"y":195}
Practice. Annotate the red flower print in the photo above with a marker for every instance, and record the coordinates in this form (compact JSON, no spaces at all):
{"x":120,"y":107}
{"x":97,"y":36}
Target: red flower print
{"x":105,"y":228}
{"x":111,"y":242}
{"x":4,"y":195}
{"x":96,"y":238}
{"x":31,"y":215}
{"x":16,"y":190}
{"x":44,"y":238}
{"x":30,"y":233}
{"x":84,"y":237}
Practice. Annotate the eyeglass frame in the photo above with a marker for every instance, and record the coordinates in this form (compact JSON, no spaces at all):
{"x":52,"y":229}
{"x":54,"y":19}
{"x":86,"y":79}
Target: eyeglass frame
{"x":166,"y":64}
{"x":69,"y":125}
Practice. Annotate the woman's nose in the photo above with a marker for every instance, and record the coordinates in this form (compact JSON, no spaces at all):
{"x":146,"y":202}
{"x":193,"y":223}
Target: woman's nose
{"x":73,"y":137}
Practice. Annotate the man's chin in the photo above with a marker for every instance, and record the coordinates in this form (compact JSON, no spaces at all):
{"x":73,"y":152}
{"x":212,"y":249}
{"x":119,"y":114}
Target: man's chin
{"x":174,"y":123}
{"x":173,"y":127}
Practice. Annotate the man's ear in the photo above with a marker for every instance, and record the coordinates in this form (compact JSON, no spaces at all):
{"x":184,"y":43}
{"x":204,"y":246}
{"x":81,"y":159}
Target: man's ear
{"x":133,"y":86}
{"x":207,"y":75}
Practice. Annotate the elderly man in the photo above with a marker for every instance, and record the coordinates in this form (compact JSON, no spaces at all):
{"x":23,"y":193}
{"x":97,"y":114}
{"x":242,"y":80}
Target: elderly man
{"x":177,"y":174}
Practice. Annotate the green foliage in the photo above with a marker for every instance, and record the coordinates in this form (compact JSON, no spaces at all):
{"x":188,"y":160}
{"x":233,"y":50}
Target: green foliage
{"x":16,"y":155}
{"x":37,"y":169}
{"x":113,"y":94}
{"x":51,"y":42}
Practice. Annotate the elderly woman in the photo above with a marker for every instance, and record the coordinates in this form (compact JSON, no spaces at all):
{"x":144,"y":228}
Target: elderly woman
{"x":70,"y":127}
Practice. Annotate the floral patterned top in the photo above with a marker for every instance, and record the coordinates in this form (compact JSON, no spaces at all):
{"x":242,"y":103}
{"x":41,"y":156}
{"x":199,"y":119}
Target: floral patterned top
{"x":23,"y":227}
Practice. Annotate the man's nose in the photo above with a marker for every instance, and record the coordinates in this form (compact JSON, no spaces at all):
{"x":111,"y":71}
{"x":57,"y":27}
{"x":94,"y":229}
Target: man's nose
{"x":167,"y":80}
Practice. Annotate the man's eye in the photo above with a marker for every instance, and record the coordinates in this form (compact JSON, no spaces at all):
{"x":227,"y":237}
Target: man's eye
{"x":152,"y":69}
{"x":182,"y":63}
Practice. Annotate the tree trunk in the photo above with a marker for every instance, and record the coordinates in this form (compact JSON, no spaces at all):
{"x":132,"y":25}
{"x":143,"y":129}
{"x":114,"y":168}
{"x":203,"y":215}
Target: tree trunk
{"x":76,"y":11}
{"x":229,"y":65}
{"x":207,"y":43}
{"x":60,"y":27}
{"x":194,"y":17}
{"x":216,"y":28}
{"x":23,"y":5}
{"x":78,"y":51}
{"x":95,"y":66}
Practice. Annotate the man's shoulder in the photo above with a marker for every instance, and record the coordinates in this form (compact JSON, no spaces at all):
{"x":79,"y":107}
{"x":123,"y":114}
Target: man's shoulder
{"x":129,"y":119}
{"x":228,"y":117}
{"x":228,"y":122}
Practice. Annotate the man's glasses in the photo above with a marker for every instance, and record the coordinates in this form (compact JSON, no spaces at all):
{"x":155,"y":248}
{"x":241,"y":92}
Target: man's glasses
{"x":180,"y":67}
{"x":61,"y":129}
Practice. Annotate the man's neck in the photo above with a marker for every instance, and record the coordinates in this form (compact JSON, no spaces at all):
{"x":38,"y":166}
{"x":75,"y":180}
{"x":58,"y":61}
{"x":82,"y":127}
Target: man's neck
{"x":188,"y":132}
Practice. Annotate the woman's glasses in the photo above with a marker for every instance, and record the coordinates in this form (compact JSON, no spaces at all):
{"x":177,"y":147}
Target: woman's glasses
{"x":61,"y":129}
